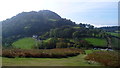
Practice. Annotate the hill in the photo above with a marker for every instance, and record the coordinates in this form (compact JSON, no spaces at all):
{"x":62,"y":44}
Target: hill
{"x":26,"y":24}
{"x":47,"y":24}
{"x":29,"y":23}
{"x":111,"y":28}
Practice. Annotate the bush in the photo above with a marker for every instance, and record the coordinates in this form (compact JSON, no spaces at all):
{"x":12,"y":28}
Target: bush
{"x":42,"y":53}
{"x":61,"y":45}
{"x":83,"y":44}
{"x":108,"y":58}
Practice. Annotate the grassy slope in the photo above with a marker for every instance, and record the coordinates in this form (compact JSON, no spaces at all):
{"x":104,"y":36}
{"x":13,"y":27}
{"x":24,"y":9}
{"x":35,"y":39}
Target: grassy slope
{"x":47,"y":40}
{"x":115,"y":42}
{"x":25,"y":43}
{"x":71,"y":61}
{"x":90,"y":51}
{"x":114,"y":34}
{"x":96,"y":41}
{"x":76,"y":27}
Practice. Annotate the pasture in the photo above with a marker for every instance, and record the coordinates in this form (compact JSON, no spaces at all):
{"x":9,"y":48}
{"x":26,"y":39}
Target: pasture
{"x":96,"y":41}
{"x":115,"y":42}
{"x":114,"y":34}
{"x":70,"y":61}
{"x":25,"y":43}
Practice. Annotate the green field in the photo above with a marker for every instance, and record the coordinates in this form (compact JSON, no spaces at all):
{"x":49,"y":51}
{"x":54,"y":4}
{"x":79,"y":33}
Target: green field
{"x":96,"y":41}
{"x":25,"y":43}
{"x":76,"y":27}
{"x":90,"y":51}
{"x":52,"y":20}
{"x":115,"y":42}
{"x":71,"y":61}
{"x":114,"y":34}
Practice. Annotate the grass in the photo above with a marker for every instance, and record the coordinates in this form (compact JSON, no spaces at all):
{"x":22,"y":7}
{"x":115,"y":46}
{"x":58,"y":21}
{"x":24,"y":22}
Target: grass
{"x":71,"y":40}
{"x":47,"y":39}
{"x":91,"y":51}
{"x":25,"y":43}
{"x":96,"y":41}
{"x":76,"y":27}
{"x":115,"y":43}
{"x":52,"y":19}
{"x":114,"y":34}
{"x":71,"y":61}
{"x":88,"y":51}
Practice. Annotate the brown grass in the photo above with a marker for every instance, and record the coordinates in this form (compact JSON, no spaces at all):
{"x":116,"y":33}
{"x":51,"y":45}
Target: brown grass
{"x":42,"y":53}
{"x":108,"y":58}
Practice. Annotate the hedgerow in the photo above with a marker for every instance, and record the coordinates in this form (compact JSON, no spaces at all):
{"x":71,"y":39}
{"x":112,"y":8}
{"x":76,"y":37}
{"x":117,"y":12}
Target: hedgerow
{"x":41,"y":53}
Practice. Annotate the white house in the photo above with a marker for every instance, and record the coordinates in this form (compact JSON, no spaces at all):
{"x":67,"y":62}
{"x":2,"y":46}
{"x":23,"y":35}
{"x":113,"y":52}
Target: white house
{"x":34,"y":36}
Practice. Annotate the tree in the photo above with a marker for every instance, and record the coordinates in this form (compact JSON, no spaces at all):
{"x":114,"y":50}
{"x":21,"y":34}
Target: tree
{"x":76,"y":34}
{"x":82,"y":25}
{"x":61,"y":45}
{"x":52,"y":43}
{"x":85,"y":44}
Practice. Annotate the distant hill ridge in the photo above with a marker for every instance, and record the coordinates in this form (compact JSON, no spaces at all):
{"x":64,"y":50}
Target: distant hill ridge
{"x":42,"y":13}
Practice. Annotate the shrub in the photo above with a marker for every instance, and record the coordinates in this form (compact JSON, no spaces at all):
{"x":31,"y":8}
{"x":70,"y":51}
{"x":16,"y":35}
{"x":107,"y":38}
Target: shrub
{"x":42,"y":53}
{"x":108,"y":58}
{"x":61,"y":45}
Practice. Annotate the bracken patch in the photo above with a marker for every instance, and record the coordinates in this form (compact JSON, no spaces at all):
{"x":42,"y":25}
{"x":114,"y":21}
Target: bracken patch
{"x":107,"y":58}
{"x":42,"y":53}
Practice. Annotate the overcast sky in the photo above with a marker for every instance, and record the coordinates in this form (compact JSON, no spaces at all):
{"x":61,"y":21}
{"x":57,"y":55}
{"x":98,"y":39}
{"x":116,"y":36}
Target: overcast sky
{"x":99,"y":13}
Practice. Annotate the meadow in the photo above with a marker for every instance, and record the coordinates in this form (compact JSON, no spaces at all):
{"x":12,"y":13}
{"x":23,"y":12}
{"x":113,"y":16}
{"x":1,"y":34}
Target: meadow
{"x":115,"y":42}
{"x":97,"y":41}
{"x":70,"y":61}
{"x":89,"y":51}
{"x":25,"y":43}
{"x":47,"y":57}
{"x":114,"y":34}
{"x":61,"y":57}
